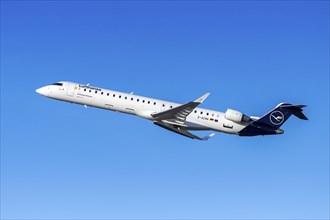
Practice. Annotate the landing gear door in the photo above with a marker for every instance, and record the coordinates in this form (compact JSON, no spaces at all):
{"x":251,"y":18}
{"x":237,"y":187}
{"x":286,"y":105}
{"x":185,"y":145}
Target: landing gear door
{"x":71,"y":89}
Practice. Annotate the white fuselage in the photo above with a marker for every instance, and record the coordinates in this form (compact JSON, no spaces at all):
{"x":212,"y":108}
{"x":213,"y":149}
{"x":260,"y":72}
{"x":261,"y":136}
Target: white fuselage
{"x":199,"y":119}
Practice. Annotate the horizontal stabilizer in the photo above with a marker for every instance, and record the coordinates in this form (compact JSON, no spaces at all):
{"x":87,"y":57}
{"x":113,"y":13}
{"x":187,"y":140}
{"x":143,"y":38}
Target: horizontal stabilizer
{"x":296,"y":110}
{"x":300,"y":115}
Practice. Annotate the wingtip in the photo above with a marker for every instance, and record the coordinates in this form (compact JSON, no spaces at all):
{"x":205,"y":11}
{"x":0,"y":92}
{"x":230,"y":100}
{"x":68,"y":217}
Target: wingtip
{"x":208,"y":137}
{"x":202,"y":98}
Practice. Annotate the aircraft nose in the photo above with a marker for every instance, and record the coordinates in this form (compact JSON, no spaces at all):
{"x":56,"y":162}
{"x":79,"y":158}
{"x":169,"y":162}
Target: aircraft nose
{"x":38,"y":91}
{"x":42,"y":91}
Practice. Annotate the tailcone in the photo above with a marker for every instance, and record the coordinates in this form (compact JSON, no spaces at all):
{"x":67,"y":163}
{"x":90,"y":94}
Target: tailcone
{"x":279,"y":131}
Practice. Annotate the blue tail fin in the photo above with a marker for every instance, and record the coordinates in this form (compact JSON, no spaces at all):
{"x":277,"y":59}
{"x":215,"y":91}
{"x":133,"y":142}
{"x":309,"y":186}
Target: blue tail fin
{"x":276,"y":117}
{"x":273,"y":120}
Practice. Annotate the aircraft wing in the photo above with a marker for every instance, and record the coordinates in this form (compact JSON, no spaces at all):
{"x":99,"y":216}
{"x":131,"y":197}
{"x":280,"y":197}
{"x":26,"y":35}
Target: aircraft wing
{"x":175,"y":119}
{"x":181,"y":130}
{"x":179,"y":114}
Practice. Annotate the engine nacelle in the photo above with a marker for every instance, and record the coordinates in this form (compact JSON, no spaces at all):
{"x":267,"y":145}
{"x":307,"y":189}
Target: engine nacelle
{"x":236,"y":116}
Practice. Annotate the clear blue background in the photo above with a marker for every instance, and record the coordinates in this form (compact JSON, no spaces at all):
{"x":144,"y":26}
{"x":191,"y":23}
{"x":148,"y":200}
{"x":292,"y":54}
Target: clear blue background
{"x":60,"y":160}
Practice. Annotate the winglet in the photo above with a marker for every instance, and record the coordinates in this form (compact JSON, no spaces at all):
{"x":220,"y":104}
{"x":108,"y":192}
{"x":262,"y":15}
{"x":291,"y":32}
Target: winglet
{"x":201,"y":99}
{"x":208,"y":137}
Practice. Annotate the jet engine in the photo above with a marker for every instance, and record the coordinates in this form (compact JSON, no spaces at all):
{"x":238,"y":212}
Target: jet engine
{"x":236,"y":116}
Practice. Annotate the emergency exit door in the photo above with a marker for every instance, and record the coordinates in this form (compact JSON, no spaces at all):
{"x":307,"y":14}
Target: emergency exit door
{"x":70,"y":90}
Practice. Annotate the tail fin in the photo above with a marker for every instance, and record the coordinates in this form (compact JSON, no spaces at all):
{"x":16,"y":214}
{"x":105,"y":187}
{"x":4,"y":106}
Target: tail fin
{"x":276,"y":117}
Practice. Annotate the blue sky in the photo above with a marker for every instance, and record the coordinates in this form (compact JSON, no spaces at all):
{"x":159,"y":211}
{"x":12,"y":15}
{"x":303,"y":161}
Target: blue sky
{"x":62,"y":161}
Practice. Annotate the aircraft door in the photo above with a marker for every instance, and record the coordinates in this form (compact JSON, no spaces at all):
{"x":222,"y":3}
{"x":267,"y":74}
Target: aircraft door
{"x":70,"y":90}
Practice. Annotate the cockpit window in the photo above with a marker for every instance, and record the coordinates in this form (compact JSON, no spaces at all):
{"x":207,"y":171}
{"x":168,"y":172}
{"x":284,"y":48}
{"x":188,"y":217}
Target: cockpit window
{"x":57,"y":84}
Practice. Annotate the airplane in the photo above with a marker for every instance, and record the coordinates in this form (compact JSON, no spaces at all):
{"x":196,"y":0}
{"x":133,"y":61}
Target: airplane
{"x":178,"y":118}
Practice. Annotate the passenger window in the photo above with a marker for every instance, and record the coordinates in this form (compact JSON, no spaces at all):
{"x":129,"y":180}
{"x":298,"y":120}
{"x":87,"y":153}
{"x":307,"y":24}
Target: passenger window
{"x":120,"y":96}
{"x":90,"y":90}
{"x":114,"y":95}
{"x":163,"y":105}
{"x":107,"y":94}
{"x":143,"y":101}
{"x":154,"y":103}
{"x":85,"y":90}
{"x":125,"y":97}
{"x":138,"y":100}
{"x":101,"y":93}
{"x":95,"y":92}
{"x":207,"y":114}
{"x":195,"y":111}
{"x":148,"y":102}
{"x":201,"y":113}
{"x":131,"y":99}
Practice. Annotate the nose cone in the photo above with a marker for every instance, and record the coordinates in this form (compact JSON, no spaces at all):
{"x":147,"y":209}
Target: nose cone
{"x":38,"y":91}
{"x":42,"y":91}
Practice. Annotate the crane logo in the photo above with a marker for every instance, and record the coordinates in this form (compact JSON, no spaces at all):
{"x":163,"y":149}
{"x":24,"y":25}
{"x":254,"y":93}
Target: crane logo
{"x":276,"y":117}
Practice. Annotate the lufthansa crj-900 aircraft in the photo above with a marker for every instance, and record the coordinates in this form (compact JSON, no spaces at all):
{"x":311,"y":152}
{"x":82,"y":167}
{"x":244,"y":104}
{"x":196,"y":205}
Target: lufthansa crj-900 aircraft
{"x":179,"y":118}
